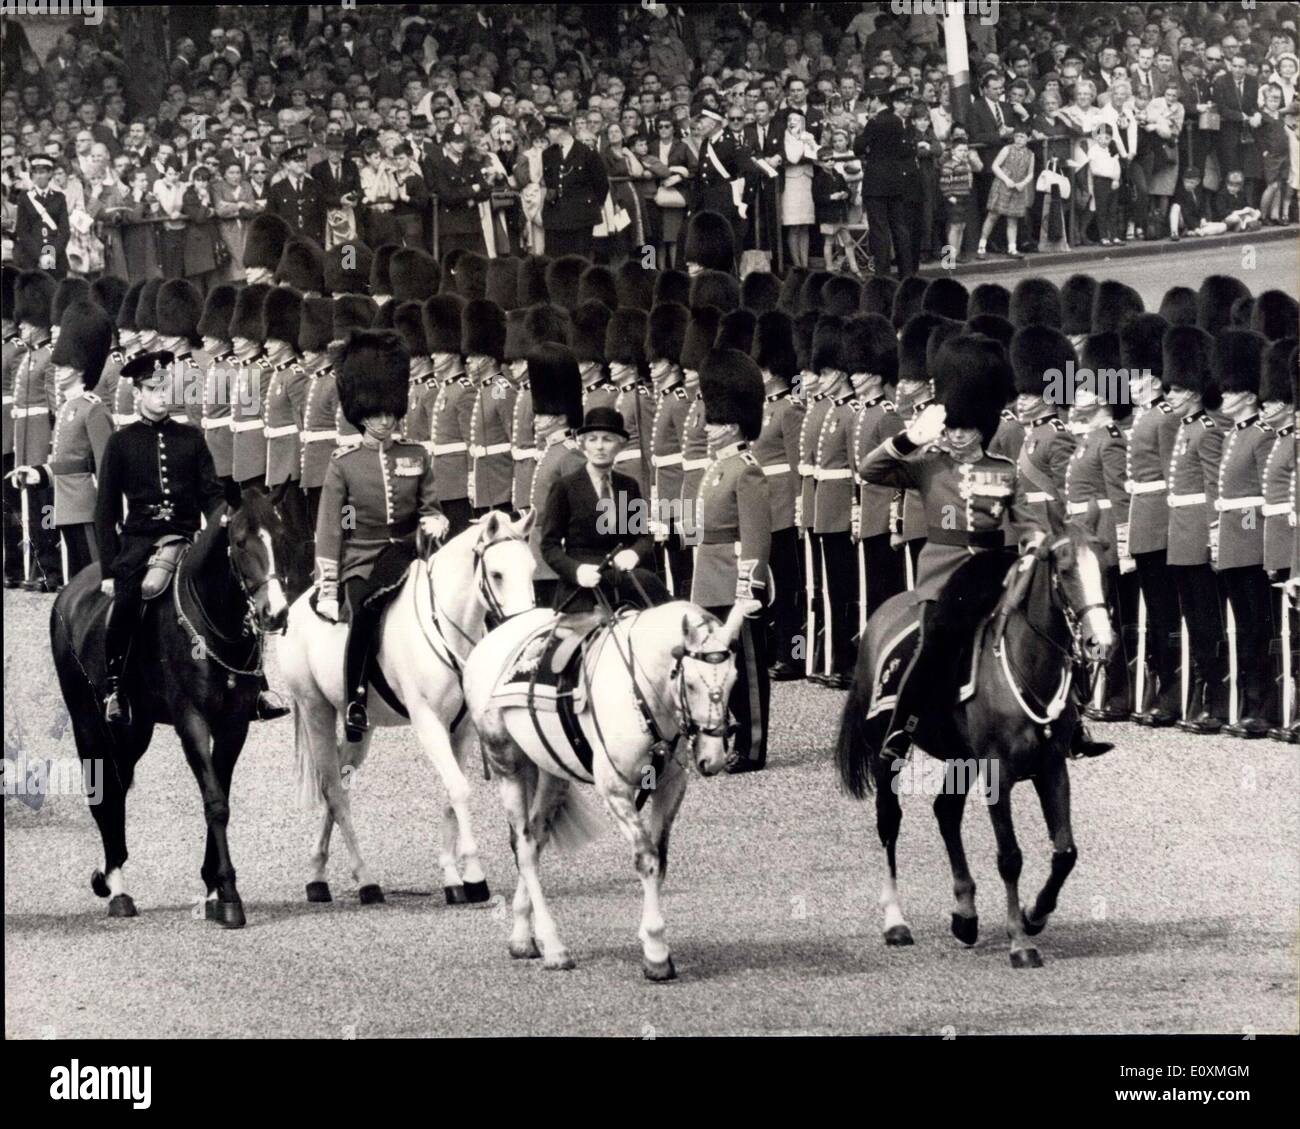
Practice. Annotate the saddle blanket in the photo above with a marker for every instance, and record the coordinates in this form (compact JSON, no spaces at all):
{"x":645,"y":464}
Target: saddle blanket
{"x":546,"y":671}
{"x":896,"y":656}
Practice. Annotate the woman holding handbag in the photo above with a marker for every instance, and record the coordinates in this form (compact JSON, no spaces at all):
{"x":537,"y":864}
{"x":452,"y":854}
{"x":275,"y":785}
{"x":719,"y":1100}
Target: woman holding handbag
{"x":233,"y":205}
{"x":620,"y":221}
{"x":674,"y":163}
{"x":1163,"y":127}
{"x":527,"y":177}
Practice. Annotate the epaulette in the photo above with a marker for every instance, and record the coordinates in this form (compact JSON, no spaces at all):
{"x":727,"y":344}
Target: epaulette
{"x":856,"y":405}
{"x":263,"y":362}
{"x":1264,"y":427}
{"x":644,"y":390}
{"x":889,"y":406}
{"x":339,"y":452}
{"x":117,"y":355}
{"x":1205,"y":418}
{"x":1164,"y":406}
{"x":1000,"y":458}
{"x":1008,"y":415}
{"x":465,"y":381}
{"x":679,"y":392}
{"x":772,"y":397}
{"x":1112,"y":429}
{"x":91,"y":398}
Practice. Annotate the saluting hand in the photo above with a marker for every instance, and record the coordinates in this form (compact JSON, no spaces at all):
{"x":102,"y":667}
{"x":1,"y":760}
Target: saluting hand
{"x":928,"y":426}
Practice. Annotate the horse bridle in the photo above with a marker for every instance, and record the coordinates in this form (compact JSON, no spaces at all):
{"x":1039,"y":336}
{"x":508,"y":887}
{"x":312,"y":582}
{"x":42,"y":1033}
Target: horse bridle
{"x":1073,"y":618}
{"x":250,"y":595}
{"x":486,"y":594}
{"x":685,"y":719}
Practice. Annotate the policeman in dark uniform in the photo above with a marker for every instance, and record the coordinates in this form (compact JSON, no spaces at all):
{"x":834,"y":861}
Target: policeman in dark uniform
{"x":576,"y":184}
{"x":297,"y":198}
{"x":163,"y":471}
{"x":887,"y":147}
{"x":41,"y":232}
{"x":723,"y":161}
{"x":458,"y":183}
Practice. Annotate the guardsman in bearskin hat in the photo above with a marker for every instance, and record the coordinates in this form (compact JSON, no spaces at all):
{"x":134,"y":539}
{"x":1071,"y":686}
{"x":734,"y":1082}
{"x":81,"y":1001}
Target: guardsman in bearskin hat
{"x":941,"y":455}
{"x":629,"y":372}
{"x":214,"y":413}
{"x":590,"y":322}
{"x":248,"y":336}
{"x":1237,"y":523}
{"x":543,"y":323}
{"x":381,"y":283}
{"x":1193,"y":393}
{"x":81,"y":431}
{"x":907,"y":518}
{"x":483,"y":345}
{"x":12,"y":348}
{"x":555,"y":389}
{"x":302,"y":266}
{"x":180,"y":306}
{"x":376,"y":494}
{"x":1041,"y":360}
{"x":595,"y":511}
{"x":122,"y":406}
{"x":1095,"y":494}
{"x":323,"y":423}
{"x":285,"y":397}
{"x":701,"y":331}
{"x":808,"y":389}
{"x":347,"y":268}
{"x":1217,"y":294}
{"x":832,"y":475}
{"x":319,"y":399}
{"x":408,"y":321}
{"x":777,"y":452}
{"x":1077,"y":296}
{"x":872,"y":357}
{"x":452,"y":410}
{"x":733,"y":512}
{"x":1277,"y":409}
{"x":665,"y":338}
{"x":710,"y":243}
{"x":110,"y":291}
{"x":33,"y":412}
{"x":264,"y":246}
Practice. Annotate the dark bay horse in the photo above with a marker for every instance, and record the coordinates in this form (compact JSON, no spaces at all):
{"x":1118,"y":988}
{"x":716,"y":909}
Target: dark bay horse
{"x":1018,"y":725}
{"x":195,"y":665}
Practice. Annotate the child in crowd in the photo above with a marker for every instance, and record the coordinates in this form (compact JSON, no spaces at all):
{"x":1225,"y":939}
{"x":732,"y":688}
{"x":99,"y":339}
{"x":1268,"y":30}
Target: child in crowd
{"x":957,"y":169}
{"x":1013,"y":176}
{"x":1232,"y":206}
{"x":1104,"y":173}
{"x":1187,"y":213}
{"x":928,"y":154}
{"x":831,"y":201}
{"x":1275,"y":152}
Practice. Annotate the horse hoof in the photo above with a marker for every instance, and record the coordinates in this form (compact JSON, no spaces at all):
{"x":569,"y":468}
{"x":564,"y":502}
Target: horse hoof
{"x":121,"y":905}
{"x":371,"y":895}
{"x":529,"y":951}
{"x":1026,"y":958}
{"x":1031,"y":928}
{"x":658,"y":971}
{"x":455,"y":895}
{"x":897,"y":935}
{"x":966,"y":929}
{"x":229,"y":915}
{"x":99,"y":884}
{"x":477,"y":891}
{"x":319,"y":892}
{"x":562,"y":963}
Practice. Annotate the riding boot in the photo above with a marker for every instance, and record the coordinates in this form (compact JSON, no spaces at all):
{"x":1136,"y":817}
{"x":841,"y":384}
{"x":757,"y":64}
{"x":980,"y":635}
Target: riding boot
{"x":123,"y":618}
{"x":269,"y":705}
{"x":355,"y":661}
{"x":917,"y":686}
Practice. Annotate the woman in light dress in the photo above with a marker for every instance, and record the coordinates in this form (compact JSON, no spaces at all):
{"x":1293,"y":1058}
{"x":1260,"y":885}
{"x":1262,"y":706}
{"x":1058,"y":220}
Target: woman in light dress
{"x":798,"y":215}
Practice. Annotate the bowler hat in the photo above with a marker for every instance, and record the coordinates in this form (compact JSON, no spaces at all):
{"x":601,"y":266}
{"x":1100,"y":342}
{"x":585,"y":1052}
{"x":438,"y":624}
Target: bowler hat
{"x":604,"y":419}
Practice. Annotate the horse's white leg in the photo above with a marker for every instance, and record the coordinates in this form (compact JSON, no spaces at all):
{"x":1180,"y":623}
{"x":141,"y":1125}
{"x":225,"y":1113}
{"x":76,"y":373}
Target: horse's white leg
{"x":451,"y":880}
{"x":321,"y":852}
{"x":431,"y":731}
{"x":317,"y":722}
{"x":337,"y":787}
{"x":889,"y":818}
{"x":462,"y":740}
{"x":514,"y":796}
{"x":656,"y":963}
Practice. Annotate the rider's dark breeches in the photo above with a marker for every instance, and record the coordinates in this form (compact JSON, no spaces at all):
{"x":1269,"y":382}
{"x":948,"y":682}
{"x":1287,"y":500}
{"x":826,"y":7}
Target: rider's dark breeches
{"x":123,"y":621}
{"x":361,"y":631}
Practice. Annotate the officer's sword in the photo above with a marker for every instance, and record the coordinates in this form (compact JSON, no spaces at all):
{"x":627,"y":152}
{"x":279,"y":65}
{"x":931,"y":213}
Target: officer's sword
{"x":1232,"y":665}
{"x":1288,"y":684}
{"x":1140,"y":674}
{"x":27,"y":536}
{"x":862,"y":593}
{"x":810,"y":606}
{"x":1185,"y":665}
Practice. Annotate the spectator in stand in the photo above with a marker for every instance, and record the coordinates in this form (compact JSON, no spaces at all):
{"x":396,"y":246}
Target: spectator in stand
{"x":798,"y":214}
{"x":233,"y":205}
{"x":831,"y":195}
{"x":1232,"y":207}
{"x":169,"y":191}
{"x":957,"y":193}
{"x":927,"y":231}
{"x":1158,"y":148}
{"x":1013,"y":171}
{"x":1235,"y":95}
{"x":201,"y":254}
{"x":1275,"y":155}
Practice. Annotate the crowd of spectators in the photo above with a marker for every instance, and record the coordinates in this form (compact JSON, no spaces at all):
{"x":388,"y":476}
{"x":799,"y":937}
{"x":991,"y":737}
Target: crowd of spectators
{"x":1086,"y":123}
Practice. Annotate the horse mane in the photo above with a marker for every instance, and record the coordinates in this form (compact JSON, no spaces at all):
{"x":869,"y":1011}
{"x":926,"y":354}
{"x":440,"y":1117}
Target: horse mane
{"x":212,"y":535}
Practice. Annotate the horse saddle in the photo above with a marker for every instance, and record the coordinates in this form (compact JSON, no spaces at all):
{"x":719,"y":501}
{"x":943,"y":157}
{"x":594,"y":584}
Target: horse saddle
{"x":546,"y":671}
{"x":895,"y":656}
{"x":166,"y":558}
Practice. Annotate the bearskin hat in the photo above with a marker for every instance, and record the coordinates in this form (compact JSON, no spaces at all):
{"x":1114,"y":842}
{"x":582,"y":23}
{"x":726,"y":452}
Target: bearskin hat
{"x":1104,"y":374}
{"x":714,"y":288}
{"x":517,"y":343}
{"x":347,"y":268}
{"x":841,"y":296}
{"x":590,"y":323}
{"x":66,"y":292}
{"x":732,"y":387}
{"x":625,"y":338}
{"x":759,"y":291}
{"x":700,"y":332}
{"x":352,"y":312}
{"x":247,"y":321}
{"x":384,"y":316}
{"x":109,"y":291}
{"x":1214,"y":301}
{"x":85,"y":339}
{"x":301,"y":265}
{"x":549,"y":323}
{"x":146,"y":309}
{"x":673,"y":286}
{"x":470,"y":273}
{"x":871,"y":346}
{"x":773,"y":349}
{"x":1187,"y":355}
{"x":442,"y":323}
{"x":989,"y":298}
{"x":711,"y":242}
{"x":946,"y":297}
{"x":1040,"y":357}
{"x":665,"y":332}
{"x":634,"y":286}
{"x":126,"y":311}
{"x":1178,"y":306}
{"x":878,"y":295}
{"x":805,"y":327}
{"x":531,"y":286}
{"x":413,"y":275}
{"x":282,"y":312}
{"x":1141,"y":344}
{"x":408,"y":321}
{"x":180,"y":306}
{"x":447,"y":270}
{"x":1239,"y":360}
{"x":791,"y":288}
{"x":482,"y":329}
{"x":810,"y":293}
{"x":974,"y":377}
{"x":736,"y":331}
{"x":1276,"y":315}
{"x":1279,"y":375}
{"x":1035,"y":301}
{"x":907,"y":301}
{"x":1077,"y":294}
{"x":502,"y":285}
{"x":911,"y":345}
{"x":381,"y":267}
{"x":991,"y":325}
{"x":597,"y":284}
{"x":316,"y":329}
{"x":563,"y":277}
{"x":828,"y":344}
{"x":1242,"y":309}
{"x":374,"y":372}
{"x":8,"y":279}
{"x":945,"y":329}
{"x":265,"y":240}
{"x":555,"y":383}
{"x":1114,"y":304}
{"x":33,"y":298}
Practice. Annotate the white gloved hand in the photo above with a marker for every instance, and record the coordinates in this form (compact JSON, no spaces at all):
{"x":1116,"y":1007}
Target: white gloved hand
{"x":329,"y":609}
{"x":588,"y":575}
{"x":928,"y":426}
{"x":106,"y":586}
{"x":26,"y":476}
{"x":435,"y":526}
{"x":627,"y":560}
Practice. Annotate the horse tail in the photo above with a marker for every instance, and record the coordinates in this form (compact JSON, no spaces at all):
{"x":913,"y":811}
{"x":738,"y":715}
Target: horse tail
{"x":854,"y":750}
{"x":573,"y":822}
{"x":310,"y":791}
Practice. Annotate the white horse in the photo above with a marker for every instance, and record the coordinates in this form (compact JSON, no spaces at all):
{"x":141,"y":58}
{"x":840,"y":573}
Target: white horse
{"x":651,"y":678}
{"x":425,"y":635}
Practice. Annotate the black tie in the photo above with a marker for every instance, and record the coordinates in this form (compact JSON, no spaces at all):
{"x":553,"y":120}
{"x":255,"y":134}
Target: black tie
{"x":997,"y":114}
{"x":605,"y":495}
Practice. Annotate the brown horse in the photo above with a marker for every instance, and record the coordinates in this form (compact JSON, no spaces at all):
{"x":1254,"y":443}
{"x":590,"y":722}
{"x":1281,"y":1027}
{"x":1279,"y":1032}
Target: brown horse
{"x":1017,"y":726}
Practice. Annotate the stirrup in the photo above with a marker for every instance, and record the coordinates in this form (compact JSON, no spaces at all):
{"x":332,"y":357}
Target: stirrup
{"x":117,"y":709}
{"x":356,"y":721}
{"x":270,"y":706}
{"x":897,"y":745}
